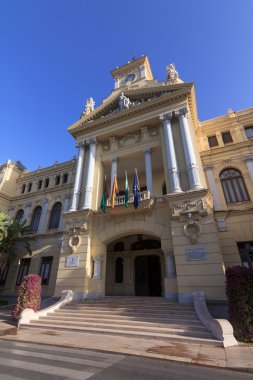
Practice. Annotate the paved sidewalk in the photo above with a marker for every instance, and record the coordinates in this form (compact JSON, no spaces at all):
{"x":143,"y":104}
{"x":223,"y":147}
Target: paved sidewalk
{"x":238,"y":357}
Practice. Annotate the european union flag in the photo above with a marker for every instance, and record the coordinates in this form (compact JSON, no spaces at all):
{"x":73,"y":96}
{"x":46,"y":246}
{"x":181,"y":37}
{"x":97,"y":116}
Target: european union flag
{"x":136,"y":190}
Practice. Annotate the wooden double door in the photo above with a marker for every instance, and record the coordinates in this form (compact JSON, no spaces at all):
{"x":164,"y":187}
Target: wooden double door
{"x":148,"y":276}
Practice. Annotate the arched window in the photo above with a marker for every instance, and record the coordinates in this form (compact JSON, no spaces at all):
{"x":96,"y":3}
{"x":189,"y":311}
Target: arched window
{"x":19,"y":215}
{"x":36,"y":218}
{"x":119,"y":270}
{"x":233,"y":186}
{"x":55,"y":215}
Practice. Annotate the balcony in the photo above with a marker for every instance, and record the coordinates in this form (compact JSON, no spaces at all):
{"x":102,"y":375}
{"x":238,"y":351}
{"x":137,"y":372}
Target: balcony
{"x":120,"y":199}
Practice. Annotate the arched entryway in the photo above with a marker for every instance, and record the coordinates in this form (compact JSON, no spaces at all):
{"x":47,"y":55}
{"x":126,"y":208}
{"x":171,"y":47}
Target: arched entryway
{"x":135,"y":266}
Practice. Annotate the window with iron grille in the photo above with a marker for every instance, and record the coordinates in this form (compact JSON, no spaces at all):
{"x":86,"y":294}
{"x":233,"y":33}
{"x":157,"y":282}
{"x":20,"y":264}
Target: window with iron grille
{"x":57,"y":180}
{"x":29,"y":187}
{"x":55,"y":215}
{"x":46,"y":182}
{"x":246,"y":253}
{"x":39,"y":184}
{"x":23,"y":189}
{"x":45,"y":269}
{"x":226,"y":137}
{"x":65,"y":178}
{"x":23,"y":270}
{"x":233,"y":186}
{"x":212,"y":141}
{"x":36,"y":218}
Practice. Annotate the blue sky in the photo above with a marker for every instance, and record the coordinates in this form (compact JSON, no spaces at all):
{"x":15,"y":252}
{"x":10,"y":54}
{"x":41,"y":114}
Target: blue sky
{"x":57,"y":53}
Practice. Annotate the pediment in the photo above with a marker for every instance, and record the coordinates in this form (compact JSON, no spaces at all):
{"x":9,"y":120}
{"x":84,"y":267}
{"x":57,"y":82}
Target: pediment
{"x":137,"y":97}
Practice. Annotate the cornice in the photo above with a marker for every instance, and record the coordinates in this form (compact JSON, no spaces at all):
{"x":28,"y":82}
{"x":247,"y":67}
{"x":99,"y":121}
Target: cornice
{"x":131,"y":112}
{"x":44,"y":193}
{"x":55,"y":169}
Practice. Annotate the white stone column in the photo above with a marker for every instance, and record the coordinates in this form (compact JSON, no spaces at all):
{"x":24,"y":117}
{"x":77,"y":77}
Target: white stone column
{"x":249,"y":162}
{"x":170,"y":265}
{"x":88,"y":189}
{"x":43,"y":217}
{"x":78,"y":176}
{"x":170,"y":153}
{"x":212,"y":185}
{"x":97,"y":267}
{"x":191,"y":162}
{"x":65,"y":209}
{"x":113,"y":171}
{"x":27,"y":212}
{"x":116,"y":83}
{"x":148,"y":165}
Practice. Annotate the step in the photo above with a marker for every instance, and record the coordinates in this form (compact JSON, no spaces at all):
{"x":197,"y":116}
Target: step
{"x":151,"y":321}
{"x":143,"y":328}
{"x":139,"y":334}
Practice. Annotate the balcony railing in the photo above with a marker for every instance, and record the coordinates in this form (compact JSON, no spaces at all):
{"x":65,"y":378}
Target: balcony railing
{"x":120,"y":199}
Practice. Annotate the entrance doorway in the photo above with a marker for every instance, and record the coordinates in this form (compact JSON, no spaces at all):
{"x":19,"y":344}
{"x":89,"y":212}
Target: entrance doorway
{"x":148,"y":276}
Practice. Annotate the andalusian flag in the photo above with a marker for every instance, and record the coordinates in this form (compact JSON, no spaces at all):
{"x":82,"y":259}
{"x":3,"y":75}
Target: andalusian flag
{"x":104,"y":196}
{"x":126,"y":190}
{"x":115,"y":190}
{"x":136,"y":190}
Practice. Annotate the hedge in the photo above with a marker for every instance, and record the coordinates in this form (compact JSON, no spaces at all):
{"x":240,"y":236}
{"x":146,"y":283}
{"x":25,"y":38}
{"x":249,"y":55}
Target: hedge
{"x":239,"y":289}
{"x":29,"y":295}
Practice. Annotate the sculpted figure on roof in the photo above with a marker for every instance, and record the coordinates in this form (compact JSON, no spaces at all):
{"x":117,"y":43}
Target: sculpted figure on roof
{"x":89,"y":107}
{"x":124,"y":102}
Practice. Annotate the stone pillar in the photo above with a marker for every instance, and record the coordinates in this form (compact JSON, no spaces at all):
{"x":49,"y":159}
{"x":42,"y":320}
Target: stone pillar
{"x":97,"y":267}
{"x":65,"y":209}
{"x":170,"y":265}
{"x":88,"y":190}
{"x":191,"y":162}
{"x":113,"y":171}
{"x":249,"y":162}
{"x":170,"y":153}
{"x":212,"y":185}
{"x":27,"y":212}
{"x":148,"y":165}
{"x":78,"y":176}
{"x":43,"y":217}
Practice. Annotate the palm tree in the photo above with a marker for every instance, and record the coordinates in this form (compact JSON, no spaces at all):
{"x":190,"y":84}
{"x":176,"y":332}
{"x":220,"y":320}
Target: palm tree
{"x":17,"y":237}
{"x":3,"y":225}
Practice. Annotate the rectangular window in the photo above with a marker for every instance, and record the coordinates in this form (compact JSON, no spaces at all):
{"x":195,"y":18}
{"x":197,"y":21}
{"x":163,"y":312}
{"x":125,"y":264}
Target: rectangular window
{"x":249,"y":132}
{"x":246,"y":253}
{"x":3,"y":275}
{"x":23,"y":270}
{"x":46,"y":182}
{"x":23,"y":189}
{"x":226,"y":137}
{"x":65,"y":178}
{"x":29,"y":187}
{"x":45,"y":269}
{"x":57,"y":180}
{"x":39,"y":184}
{"x":212,"y":141}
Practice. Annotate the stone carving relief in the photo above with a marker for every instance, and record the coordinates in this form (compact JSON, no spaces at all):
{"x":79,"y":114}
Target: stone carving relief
{"x":172,"y":74}
{"x":124,"y":102}
{"x":192,"y":229}
{"x":144,"y":135}
{"x":75,"y":239}
{"x":198,"y":206}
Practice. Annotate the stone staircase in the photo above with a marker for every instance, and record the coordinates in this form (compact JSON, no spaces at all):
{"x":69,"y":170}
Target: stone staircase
{"x":137,"y":317}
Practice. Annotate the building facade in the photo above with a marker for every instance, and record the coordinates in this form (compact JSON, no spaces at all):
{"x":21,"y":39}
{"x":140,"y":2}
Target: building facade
{"x":194,"y":214}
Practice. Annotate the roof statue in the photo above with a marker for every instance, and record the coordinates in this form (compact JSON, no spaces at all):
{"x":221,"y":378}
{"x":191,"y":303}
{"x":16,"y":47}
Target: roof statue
{"x":89,"y":107}
{"x":124,"y":102}
{"x":172,"y":74}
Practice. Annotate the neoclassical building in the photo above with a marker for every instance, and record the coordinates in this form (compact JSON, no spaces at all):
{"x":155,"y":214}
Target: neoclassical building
{"x":194,"y":216}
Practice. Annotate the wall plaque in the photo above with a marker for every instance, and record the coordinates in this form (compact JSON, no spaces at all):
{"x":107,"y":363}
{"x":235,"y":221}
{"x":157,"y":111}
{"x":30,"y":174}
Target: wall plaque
{"x":196,"y":254}
{"x":72,"y":261}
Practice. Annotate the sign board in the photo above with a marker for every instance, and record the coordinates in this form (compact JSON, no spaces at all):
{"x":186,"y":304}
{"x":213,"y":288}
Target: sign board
{"x":72,"y":261}
{"x":196,"y":254}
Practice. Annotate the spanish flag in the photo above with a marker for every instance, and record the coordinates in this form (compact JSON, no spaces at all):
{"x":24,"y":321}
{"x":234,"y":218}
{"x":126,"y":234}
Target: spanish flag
{"x":115,"y":190}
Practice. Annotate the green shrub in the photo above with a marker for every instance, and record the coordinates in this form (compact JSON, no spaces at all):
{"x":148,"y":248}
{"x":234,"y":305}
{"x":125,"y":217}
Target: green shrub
{"x":239,"y":289}
{"x":29,"y":295}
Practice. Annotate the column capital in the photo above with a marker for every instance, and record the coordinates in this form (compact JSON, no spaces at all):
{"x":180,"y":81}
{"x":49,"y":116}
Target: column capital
{"x":91,"y":141}
{"x":115,"y":159}
{"x":80,"y":144}
{"x":181,"y":112}
{"x":166,"y":116}
{"x":248,"y":158}
{"x":208,"y":167}
{"x":148,"y":150}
